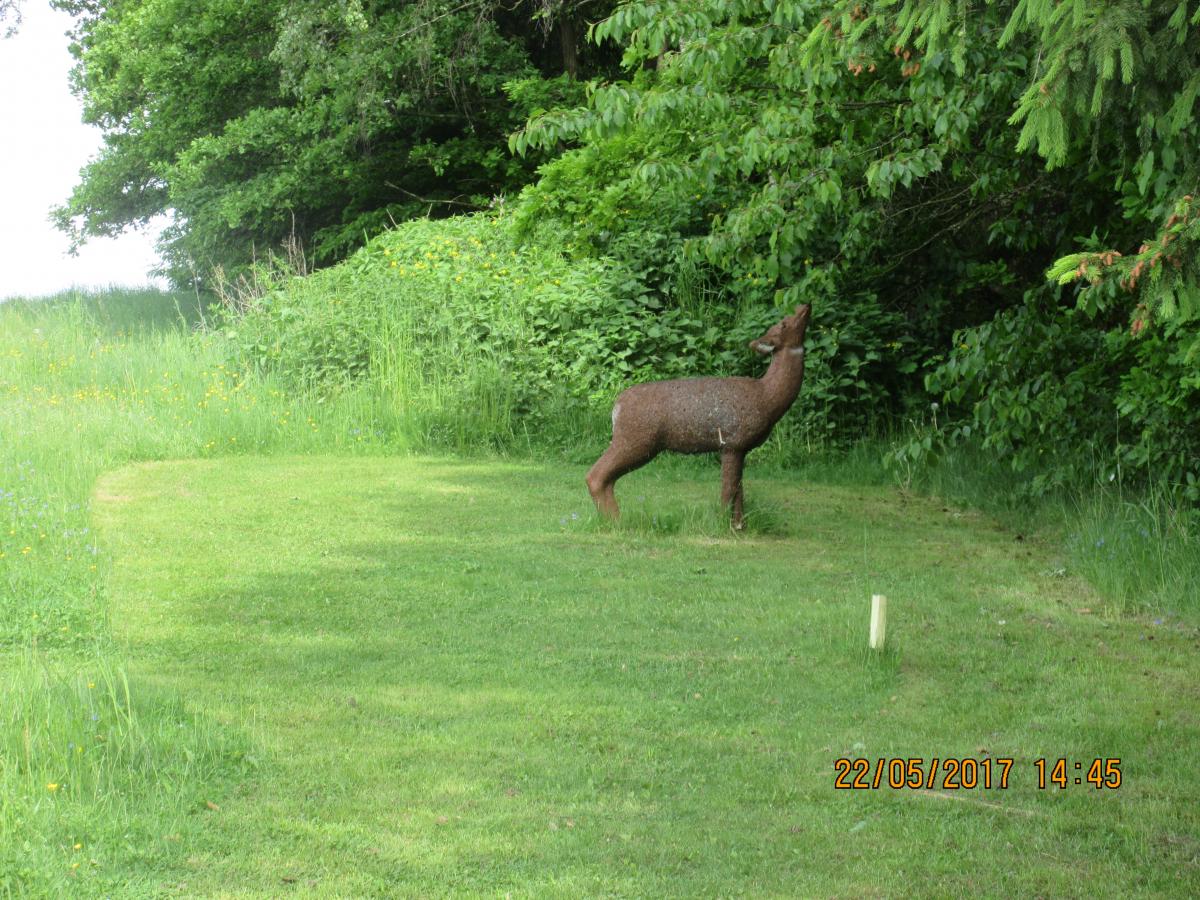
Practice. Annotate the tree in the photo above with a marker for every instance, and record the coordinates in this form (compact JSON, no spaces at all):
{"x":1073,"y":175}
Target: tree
{"x":888,"y":194}
{"x":1111,"y":98}
{"x":1114,"y":81}
{"x":913,"y":167}
{"x":250,"y":123}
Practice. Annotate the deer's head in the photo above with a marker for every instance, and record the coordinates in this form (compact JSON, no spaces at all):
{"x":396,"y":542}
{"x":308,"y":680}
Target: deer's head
{"x":787,"y":333}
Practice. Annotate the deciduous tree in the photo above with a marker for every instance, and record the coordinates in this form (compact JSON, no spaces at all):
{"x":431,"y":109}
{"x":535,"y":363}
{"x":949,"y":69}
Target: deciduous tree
{"x":250,"y":122}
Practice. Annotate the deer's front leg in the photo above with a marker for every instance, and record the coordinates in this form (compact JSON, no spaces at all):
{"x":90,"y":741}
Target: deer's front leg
{"x":732,"y":463}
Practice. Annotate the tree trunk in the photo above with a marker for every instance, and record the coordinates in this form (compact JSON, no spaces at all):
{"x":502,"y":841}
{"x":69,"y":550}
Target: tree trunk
{"x":570,"y":53}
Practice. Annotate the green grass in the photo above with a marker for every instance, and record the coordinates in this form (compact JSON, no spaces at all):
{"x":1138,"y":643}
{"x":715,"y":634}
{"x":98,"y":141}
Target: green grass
{"x":188,"y":633}
{"x":88,"y":384}
{"x":454,"y":685}
{"x":1139,"y":548}
{"x":94,"y":774}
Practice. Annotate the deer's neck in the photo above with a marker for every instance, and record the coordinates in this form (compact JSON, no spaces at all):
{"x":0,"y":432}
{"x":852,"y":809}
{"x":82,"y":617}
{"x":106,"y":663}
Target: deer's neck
{"x":782,"y":380}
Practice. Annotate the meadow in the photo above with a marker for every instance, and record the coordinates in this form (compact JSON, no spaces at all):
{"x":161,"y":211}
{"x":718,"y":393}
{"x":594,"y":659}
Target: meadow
{"x":264,"y":640}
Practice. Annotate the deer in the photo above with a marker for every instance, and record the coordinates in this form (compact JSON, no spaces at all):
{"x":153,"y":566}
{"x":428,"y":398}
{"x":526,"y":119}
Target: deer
{"x":728,"y":416}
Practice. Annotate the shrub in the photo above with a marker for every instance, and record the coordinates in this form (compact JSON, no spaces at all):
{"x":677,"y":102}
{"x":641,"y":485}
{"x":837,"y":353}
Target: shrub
{"x":1065,"y":400}
{"x":489,"y":338}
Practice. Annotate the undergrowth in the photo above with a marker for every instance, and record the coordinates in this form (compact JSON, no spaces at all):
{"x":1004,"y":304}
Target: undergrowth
{"x":485,"y":340}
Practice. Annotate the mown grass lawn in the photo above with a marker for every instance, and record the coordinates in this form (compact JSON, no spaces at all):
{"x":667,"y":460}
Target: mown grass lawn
{"x":449,"y":678}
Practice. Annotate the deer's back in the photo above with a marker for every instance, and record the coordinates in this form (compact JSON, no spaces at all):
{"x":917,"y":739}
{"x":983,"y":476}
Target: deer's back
{"x":693,"y":415}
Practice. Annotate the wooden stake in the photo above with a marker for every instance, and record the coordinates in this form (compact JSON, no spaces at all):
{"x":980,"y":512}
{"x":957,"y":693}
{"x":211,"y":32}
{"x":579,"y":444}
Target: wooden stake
{"x":878,"y":620}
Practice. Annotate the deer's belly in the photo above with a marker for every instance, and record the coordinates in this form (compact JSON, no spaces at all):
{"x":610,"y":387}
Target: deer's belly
{"x":693,"y":415}
{"x":708,"y":427}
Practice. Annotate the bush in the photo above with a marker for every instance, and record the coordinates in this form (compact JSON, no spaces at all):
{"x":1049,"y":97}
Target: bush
{"x":1065,"y":401}
{"x":483,"y":338}
{"x":490,"y":339}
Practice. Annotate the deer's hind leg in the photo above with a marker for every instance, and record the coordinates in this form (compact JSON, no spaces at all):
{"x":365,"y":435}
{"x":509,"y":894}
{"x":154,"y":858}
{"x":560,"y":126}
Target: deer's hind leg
{"x":732,"y":464}
{"x":620,"y":458}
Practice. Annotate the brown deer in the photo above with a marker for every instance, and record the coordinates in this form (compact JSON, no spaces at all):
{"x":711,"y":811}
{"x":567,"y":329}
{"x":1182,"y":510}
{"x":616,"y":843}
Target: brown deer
{"x":729,"y":416}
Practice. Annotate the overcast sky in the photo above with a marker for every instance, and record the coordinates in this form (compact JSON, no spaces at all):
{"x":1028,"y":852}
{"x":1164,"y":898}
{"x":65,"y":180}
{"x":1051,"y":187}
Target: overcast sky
{"x":43,"y":145}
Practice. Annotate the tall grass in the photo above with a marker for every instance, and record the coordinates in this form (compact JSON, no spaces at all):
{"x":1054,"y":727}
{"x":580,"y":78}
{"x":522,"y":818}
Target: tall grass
{"x":1141,"y":552}
{"x":92,"y":769}
{"x":88,"y":383}
{"x":488,"y":342}
{"x":1139,"y":547}
{"x":467,"y":406}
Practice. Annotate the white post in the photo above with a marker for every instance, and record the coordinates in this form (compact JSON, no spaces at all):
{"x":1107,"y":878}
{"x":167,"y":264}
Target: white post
{"x":878,"y":620}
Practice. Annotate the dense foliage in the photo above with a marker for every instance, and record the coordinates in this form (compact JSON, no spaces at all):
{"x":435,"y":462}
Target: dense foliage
{"x":917,"y":168}
{"x":497,"y":341}
{"x":252,"y":122}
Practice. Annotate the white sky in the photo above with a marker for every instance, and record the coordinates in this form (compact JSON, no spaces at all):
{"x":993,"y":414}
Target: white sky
{"x":43,"y":145}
